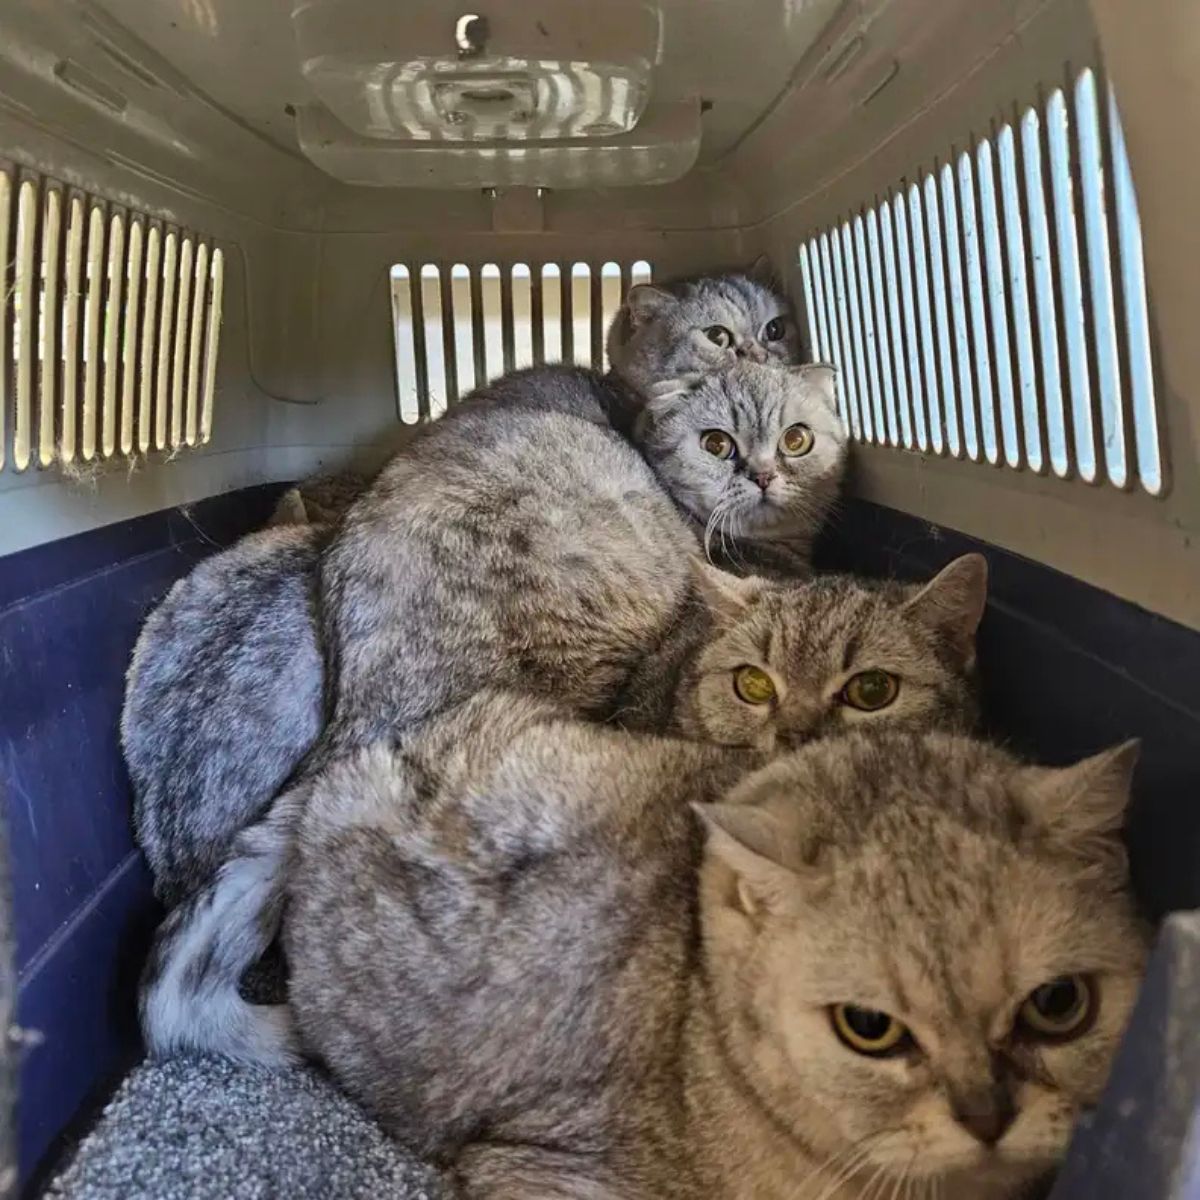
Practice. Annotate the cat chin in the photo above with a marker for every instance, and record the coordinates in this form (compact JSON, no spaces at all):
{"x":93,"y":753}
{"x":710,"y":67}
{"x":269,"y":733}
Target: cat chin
{"x":991,"y":1177}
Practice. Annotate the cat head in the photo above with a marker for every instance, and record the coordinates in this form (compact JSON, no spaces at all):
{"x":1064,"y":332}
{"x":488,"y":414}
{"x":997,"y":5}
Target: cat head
{"x":787,"y":663}
{"x":751,"y":452}
{"x":667,"y":333}
{"x":924,"y":952}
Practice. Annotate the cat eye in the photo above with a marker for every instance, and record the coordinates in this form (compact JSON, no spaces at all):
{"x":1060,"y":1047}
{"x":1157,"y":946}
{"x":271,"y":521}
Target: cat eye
{"x":753,"y":685}
{"x":796,"y":440}
{"x":718,"y":443}
{"x":869,"y":1031}
{"x":719,"y":335}
{"x":1060,"y":1009}
{"x":774,"y":329}
{"x":869,"y":691}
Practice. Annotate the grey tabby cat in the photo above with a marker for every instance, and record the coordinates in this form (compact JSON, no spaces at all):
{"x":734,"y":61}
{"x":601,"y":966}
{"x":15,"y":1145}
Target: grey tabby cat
{"x":520,"y":542}
{"x":676,"y":333}
{"x":901,"y":962}
{"x":182,"y":825}
{"x":222,"y":698}
{"x":665,"y":336}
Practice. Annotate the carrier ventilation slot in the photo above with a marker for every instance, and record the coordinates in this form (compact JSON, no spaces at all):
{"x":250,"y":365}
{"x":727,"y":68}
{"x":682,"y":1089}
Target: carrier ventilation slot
{"x":994,"y":307}
{"x":458,"y":326}
{"x":109,"y":329}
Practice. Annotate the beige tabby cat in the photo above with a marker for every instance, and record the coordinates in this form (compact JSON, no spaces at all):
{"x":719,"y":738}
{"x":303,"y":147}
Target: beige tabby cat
{"x":900,"y":964}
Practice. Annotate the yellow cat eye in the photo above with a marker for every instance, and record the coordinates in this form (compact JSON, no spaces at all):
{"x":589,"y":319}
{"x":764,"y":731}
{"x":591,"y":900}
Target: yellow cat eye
{"x":796,"y":440}
{"x":719,"y":336}
{"x":868,"y":1031}
{"x":753,"y":685}
{"x":1060,"y":1009}
{"x":869,"y":691}
{"x":718,"y":443}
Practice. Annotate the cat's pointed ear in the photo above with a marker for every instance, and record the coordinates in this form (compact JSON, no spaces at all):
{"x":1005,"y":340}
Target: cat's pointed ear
{"x":644,"y":301}
{"x":821,"y":377}
{"x":726,"y":595}
{"x":752,"y":843}
{"x":761,"y":271}
{"x":1075,"y":805}
{"x":952,"y":603}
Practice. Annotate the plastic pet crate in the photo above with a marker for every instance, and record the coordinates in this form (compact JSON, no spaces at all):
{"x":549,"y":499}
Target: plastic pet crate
{"x":240,"y":243}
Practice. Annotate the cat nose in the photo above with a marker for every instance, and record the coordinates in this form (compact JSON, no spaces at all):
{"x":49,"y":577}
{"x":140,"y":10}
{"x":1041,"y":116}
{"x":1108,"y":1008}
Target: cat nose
{"x":753,"y":351}
{"x":763,"y":479}
{"x":985,"y":1113}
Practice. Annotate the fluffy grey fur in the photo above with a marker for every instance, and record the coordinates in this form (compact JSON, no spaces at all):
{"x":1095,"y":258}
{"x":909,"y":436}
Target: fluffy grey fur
{"x":678,"y":332}
{"x":519,"y":542}
{"x":223,"y":697}
{"x":509,"y":944}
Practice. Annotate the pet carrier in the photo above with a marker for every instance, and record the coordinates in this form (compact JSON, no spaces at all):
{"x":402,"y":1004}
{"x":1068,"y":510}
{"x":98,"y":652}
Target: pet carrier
{"x":244,"y":241}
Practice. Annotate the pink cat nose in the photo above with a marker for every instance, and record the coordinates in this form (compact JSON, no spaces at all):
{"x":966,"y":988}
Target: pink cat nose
{"x":763,"y":478}
{"x":986,"y":1113}
{"x":753,"y":351}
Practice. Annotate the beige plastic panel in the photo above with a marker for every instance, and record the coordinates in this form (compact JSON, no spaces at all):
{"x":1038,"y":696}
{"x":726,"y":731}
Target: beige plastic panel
{"x":183,"y":112}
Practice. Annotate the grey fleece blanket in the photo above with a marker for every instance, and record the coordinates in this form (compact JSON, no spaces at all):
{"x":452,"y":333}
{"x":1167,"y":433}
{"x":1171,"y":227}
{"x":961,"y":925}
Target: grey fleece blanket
{"x":204,"y":1129}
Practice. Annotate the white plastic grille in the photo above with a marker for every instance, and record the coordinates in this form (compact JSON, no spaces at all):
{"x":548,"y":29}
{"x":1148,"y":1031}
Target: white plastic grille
{"x":994,"y":306}
{"x":109,"y":333}
{"x":458,"y":326}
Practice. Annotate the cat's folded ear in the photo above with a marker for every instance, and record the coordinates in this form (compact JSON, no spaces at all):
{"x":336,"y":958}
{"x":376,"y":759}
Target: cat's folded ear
{"x":726,"y":595}
{"x":771,"y":874}
{"x":762,"y":271}
{"x":952,"y":604}
{"x":821,"y":377}
{"x":644,"y":301}
{"x":1081,"y":808}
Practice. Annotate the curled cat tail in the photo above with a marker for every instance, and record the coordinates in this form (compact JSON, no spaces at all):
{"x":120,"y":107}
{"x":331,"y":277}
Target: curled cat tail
{"x":189,"y":1000}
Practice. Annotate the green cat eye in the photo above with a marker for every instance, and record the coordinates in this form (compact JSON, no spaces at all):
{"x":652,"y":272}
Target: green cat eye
{"x":719,"y":336}
{"x":753,"y":685}
{"x":796,"y":440}
{"x":718,"y":443}
{"x":869,"y":1031}
{"x":869,"y":691}
{"x":1060,"y":1009}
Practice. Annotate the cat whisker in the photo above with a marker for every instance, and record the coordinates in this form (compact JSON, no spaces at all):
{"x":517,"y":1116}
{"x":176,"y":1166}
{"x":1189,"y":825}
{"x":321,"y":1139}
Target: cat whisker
{"x":880,"y":1177}
{"x":845,"y":1165}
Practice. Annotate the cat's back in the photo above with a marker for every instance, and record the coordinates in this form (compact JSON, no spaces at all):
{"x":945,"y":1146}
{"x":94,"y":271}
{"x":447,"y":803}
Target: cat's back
{"x":491,"y":927}
{"x":223,"y":696}
{"x":507,"y":542}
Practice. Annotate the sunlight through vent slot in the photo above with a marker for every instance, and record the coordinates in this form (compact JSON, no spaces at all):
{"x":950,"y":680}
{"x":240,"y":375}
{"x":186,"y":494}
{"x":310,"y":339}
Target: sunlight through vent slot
{"x":166,"y":329}
{"x":72,"y":349}
{"x":522,"y":316}
{"x":150,"y":284}
{"x":47,"y":325}
{"x":25,"y":322}
{"x":581,"y":314}
{"x":94,"y":328}
{"x":990,"y":307}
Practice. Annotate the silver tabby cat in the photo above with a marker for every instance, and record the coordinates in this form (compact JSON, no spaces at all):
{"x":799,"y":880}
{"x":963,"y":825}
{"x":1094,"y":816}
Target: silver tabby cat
{"x":527,"y":545}
{"x":902,"y":967}
{"x":236,"y":641}
{"x":673,"y":334}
